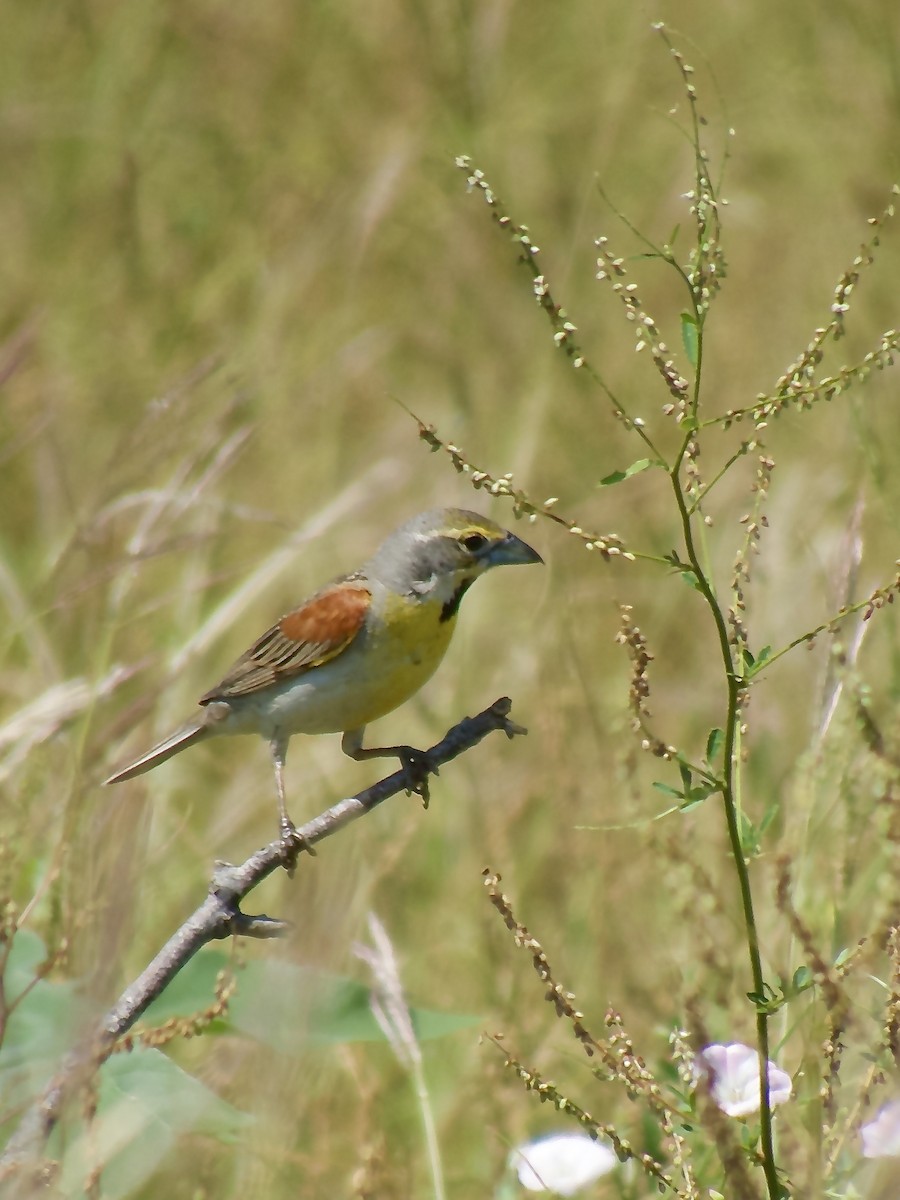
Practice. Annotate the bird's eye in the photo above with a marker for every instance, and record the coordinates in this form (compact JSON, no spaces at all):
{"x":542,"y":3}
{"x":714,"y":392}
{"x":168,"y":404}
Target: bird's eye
{"x":474,"y":542}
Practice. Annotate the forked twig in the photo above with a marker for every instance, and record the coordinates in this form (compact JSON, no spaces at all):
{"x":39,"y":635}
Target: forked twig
{"x":219,"y":916}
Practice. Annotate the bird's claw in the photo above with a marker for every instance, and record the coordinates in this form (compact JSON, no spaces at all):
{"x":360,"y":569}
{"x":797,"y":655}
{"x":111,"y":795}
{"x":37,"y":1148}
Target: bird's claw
{"x":417,"y":766}
{"x":293,"y":843}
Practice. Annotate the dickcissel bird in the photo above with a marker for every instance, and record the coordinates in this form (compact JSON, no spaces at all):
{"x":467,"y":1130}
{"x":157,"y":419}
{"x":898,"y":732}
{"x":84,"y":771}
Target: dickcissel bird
{"x":355,"y":650}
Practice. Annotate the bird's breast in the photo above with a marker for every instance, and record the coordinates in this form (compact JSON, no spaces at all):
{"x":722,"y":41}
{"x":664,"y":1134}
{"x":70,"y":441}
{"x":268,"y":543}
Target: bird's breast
{"x":396,"y":652}
{"x":402,"y":648}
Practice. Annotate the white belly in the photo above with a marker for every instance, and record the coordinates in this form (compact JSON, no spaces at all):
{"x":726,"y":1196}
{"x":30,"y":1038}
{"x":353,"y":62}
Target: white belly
{"x":372,"y":677}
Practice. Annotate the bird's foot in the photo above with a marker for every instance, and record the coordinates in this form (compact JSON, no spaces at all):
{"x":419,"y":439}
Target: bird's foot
{"x":293,"y":843}
{"x":417,"y":766}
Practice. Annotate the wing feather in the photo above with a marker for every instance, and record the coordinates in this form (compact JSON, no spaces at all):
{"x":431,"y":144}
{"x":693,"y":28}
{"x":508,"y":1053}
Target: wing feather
{"x":317,"y":631}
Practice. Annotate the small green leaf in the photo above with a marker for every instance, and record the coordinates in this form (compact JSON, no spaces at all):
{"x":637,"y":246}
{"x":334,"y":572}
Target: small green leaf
{"x":749,"y":1135}
{"x":702,"y":792}
{"x":690,"y":337}
{"x":802,"y":979}
{"x":768,"y":817}
{"x":766,"y":1001}
{"x":635,"y":469}
{"x":691,"y":580}
{"x":668,"y":791}
{"x":684,"y":772}
{"x":751,"y":837}
{"x":753,"y":665}
{"x":714,"y":744}
{"x":690,"y":802}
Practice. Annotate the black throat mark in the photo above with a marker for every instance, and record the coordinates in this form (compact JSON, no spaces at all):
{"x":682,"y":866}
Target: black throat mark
{"x":451,"y":606}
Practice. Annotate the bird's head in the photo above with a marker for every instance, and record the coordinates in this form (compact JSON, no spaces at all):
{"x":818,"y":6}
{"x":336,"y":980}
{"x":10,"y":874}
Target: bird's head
{"x":440,"y":553}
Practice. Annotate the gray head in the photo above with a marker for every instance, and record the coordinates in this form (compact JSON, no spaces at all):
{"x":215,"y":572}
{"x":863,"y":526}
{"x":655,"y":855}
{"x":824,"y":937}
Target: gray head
{"x":440,"y":553}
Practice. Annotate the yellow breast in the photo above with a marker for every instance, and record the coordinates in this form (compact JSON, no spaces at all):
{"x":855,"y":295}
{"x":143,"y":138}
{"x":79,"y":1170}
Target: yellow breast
{"x":398,"y":650}
{"x":402,"y":649}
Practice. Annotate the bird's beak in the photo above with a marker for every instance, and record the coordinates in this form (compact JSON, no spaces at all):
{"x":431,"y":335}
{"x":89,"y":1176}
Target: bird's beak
{"x":511,"y":552}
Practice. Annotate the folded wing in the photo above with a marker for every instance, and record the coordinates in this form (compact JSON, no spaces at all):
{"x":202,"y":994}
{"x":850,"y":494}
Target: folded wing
{"x":317,"y":631}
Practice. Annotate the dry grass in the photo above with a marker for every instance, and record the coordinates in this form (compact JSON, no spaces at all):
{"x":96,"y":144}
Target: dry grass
{"x":233,"y":238}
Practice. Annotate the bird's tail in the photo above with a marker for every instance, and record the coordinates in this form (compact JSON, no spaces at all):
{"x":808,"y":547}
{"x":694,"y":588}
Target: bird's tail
{"x":187,"y":735}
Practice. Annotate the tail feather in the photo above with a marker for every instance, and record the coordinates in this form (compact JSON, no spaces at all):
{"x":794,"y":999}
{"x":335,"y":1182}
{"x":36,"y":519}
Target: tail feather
{"x":187,"y":735}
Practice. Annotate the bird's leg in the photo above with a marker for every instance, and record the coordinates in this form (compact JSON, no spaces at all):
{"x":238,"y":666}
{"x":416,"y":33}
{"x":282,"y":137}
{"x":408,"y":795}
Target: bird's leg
{"x":285,"y":823}
{"x":290,"y":839}
{"x":415,"y":763}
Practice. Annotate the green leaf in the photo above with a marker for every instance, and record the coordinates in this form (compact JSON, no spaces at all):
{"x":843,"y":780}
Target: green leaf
{"x":714,"y":744}
{"x":42,"y":1026}
{"x":635,"y":469}
{"x":145,"y":1103}
{"x":25,"y":957}
{"x":752,"y":834}
{"x":766,"y":1001}
{"x":702,"y":792}
{"x":762,"y":658}
{"x":347,"y":1017}
{"x":749,"y":836}
{"x":691,"y":802}
{"x":802,"y":979}
{"x":193,"y":988}
{"x":753,"y":665}
{"x":667,"y":791}
{"x":145,"y":1100}
{"x":768,"y":817}
{"x":749,"y":1135}
{"x":690,"y":337}
{"x":691,"y":580}
{"x":287,"y":1006}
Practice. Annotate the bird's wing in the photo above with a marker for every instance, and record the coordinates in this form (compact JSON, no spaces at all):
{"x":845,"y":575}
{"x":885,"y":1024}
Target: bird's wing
{"x":317,"y":631}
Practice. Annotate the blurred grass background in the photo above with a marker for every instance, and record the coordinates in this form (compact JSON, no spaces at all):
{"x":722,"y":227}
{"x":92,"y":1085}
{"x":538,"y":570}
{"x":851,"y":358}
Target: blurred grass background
{"x":232,"y":238}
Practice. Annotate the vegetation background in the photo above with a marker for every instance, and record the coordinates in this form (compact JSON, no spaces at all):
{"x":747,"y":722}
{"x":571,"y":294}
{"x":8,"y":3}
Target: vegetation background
{"x":233,"y":239}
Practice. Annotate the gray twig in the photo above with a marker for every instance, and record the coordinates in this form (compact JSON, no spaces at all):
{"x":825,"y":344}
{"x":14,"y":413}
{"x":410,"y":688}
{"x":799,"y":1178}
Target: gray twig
{"x":219,"y":916}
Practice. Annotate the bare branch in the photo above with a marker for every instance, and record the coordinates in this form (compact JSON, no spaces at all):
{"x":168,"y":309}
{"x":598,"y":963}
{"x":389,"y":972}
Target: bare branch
{"x":219,"y":916}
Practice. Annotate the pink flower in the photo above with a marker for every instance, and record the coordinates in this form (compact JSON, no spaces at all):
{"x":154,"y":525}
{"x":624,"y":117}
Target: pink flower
{"x":733,"y":1073}
{"x":881,"y":1136}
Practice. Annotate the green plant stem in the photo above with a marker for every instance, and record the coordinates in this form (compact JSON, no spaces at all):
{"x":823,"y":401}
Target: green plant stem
{"x":428,"y":1127}
{"x":720,"y":474}
{"x":734,"y":684}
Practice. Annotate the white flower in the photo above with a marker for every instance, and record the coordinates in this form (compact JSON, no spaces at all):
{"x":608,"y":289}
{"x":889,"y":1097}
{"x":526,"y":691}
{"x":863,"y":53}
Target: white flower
{"x":562,"y":1163}
{"x":733,"y":1073}
{"x":881,"y":1137}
